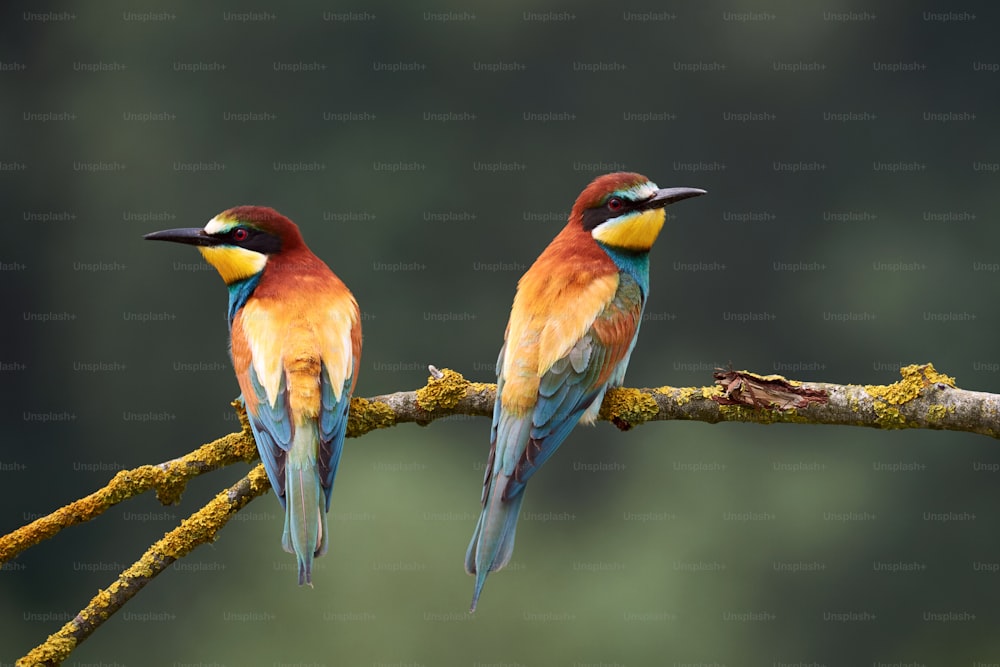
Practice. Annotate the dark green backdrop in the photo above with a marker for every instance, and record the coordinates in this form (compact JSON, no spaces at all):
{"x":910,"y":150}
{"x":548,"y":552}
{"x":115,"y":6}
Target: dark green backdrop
{"x":429,"y":153}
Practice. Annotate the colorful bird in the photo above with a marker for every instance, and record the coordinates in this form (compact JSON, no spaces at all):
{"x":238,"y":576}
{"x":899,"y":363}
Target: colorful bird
{"x":571,"y":331}
{"x":295,"y":332}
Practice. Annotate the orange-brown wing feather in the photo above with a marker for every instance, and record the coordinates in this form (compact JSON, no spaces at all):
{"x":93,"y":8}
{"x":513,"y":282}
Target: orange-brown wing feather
{"x":557,"y":301}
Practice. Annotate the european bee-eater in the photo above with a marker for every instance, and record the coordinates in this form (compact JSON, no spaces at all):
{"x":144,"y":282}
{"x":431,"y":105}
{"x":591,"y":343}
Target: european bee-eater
{"x":295,"y":333}
{"x":571,"y":331}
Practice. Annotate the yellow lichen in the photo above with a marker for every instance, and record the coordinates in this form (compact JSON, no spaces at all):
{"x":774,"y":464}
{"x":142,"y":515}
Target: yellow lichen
{"x":480,"y":387}
{"x":54,"y":651}
{"x":685,"y":394}
{"x":914,"y":378}
{"x":887,"y":416}
{"x":937,"y":412}
{"x":714,"y":390}
{"x":444,"y":392}
{"x":628,"y":407}
{"x":762,"y":416}
{"x":366,"y":416}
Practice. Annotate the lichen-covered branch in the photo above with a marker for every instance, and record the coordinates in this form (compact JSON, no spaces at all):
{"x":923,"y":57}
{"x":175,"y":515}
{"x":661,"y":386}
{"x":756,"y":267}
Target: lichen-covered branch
{"x":199,"y":528}
{"x":446,"y":394}
{"x":922,"y":398}
{"x":168,"y":479}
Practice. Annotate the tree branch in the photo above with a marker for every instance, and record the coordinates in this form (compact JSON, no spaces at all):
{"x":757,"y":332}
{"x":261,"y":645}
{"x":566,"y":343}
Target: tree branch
{"x":923,"y":398}
{"x":197,"y":529}
{"x":168,"y":479}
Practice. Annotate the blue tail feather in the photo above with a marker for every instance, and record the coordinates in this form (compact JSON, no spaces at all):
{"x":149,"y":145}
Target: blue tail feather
{"x":493,"y":541}
{"x":305,"y":532}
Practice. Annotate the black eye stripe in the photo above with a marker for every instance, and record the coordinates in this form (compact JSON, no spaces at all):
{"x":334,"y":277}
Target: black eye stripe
{"x":592,"y":217}
{"x":256,"y":240}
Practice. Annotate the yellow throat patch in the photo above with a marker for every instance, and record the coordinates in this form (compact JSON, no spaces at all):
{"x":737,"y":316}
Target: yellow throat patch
{"x":632,"y":232}
{"x":232,"y":263}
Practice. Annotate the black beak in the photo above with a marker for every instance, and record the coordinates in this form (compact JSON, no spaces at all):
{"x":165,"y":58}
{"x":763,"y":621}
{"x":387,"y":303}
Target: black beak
{"x":671,"y":195}
{"x":190,"y":236}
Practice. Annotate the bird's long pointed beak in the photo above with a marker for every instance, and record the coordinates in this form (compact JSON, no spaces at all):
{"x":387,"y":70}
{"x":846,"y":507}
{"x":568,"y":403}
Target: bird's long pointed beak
{"x":671,"y":195}
{"x":188,"y":235}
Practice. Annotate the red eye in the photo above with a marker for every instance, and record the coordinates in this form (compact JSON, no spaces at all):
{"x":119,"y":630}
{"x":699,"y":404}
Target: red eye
{"x":240,"y":234}
{"x":615,"y":204}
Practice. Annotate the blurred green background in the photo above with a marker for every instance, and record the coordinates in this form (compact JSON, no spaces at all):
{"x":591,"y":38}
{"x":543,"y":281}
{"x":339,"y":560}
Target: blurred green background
{"x":850,"y":152}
